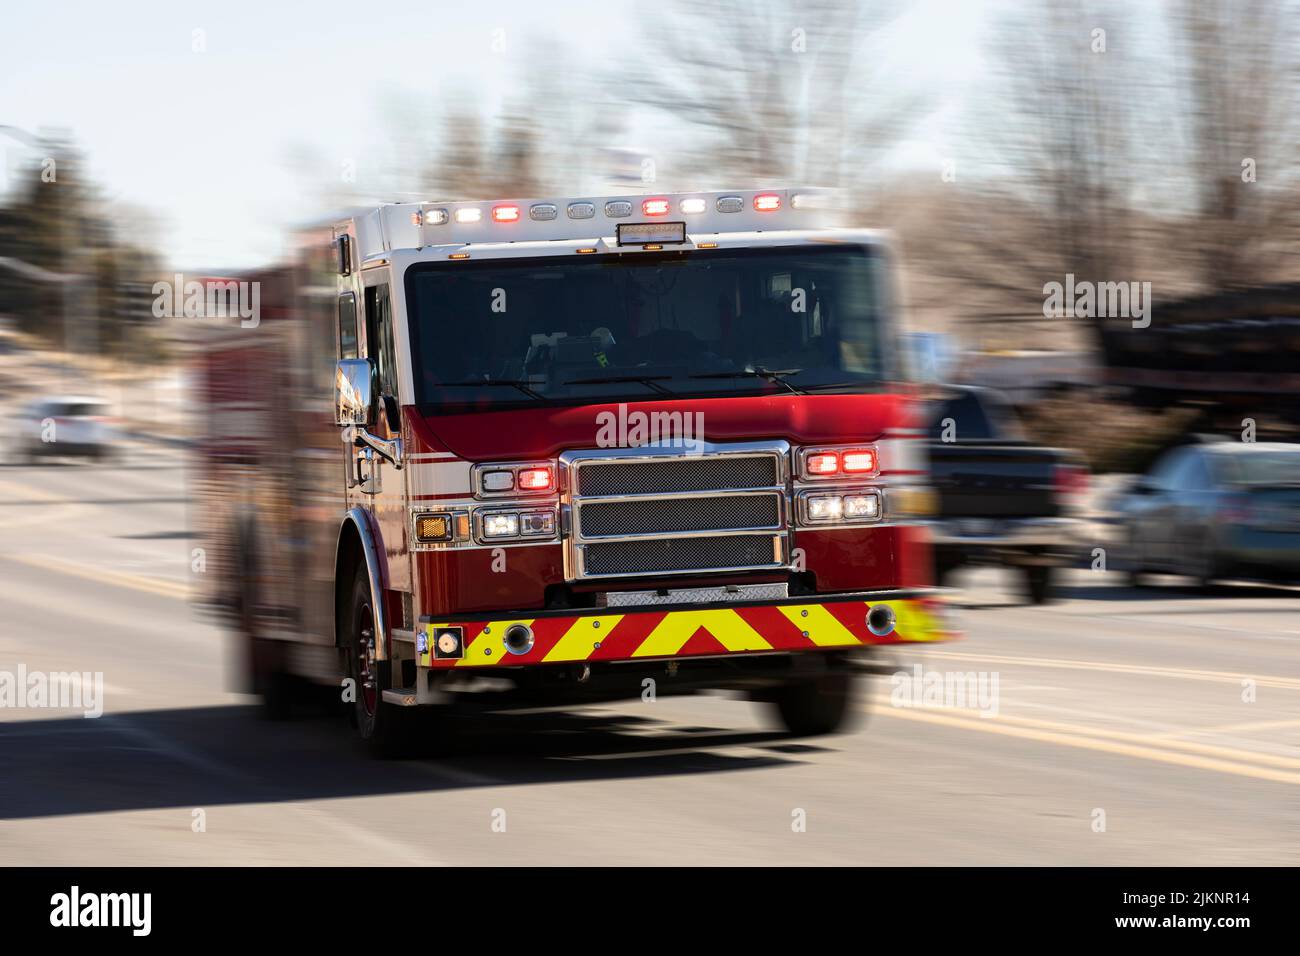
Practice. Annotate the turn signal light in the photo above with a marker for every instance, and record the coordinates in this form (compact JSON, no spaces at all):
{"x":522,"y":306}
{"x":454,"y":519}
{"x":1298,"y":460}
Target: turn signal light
{"x":433,"y":528}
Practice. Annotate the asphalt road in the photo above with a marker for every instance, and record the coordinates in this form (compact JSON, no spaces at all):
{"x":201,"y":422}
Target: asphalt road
{"x":1123,"y":733}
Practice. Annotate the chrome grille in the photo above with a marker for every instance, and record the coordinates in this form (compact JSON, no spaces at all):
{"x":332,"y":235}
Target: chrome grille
{"x":692,"y":513}
{"x":662,"y":555}
{"x":695,"y":473}
{"x":637,"y":512}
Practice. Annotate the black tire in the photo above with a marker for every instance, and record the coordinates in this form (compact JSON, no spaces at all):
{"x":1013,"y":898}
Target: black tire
{"x":945,"y":566}
{"x":822,"y":705}
{"x":1204,"y":568}
{"x":1038,"y":583}
{"x":386,"y":730}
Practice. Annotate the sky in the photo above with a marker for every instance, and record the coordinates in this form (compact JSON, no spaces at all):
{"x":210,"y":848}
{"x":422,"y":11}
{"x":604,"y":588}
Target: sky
{"x":219,"y":121}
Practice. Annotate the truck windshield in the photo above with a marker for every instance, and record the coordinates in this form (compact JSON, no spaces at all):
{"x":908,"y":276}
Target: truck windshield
{"x":570,"y":330}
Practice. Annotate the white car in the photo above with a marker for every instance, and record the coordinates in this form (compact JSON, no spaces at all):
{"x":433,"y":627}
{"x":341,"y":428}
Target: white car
{"x":66,"y":425}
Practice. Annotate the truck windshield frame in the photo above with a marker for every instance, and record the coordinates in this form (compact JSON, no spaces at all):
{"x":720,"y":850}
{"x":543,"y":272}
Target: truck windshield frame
{"x":696,"y":324}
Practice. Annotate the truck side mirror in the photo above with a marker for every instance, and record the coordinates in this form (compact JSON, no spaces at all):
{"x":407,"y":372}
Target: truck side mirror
{"x":356,"y":385}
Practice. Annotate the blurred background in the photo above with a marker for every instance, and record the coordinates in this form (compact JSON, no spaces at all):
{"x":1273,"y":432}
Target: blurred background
{"x":1007,"y":144}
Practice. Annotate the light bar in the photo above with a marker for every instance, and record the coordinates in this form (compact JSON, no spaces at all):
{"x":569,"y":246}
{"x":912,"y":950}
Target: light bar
{"x":583,"y":221}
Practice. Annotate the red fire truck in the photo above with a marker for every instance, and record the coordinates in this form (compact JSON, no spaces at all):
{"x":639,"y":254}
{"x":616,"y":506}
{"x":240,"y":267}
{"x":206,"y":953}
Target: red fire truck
{"x":550,"y":451}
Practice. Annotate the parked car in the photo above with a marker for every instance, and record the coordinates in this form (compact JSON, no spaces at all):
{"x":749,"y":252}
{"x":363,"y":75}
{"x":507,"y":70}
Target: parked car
{"x":1002,"y":499}
{"x":1215,"y":510}
{"x":66,"y":426}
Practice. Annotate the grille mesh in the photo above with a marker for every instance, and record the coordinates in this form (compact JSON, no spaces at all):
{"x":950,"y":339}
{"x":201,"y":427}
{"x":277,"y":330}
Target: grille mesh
{"x":703,"y":513}
{"x":678,"y":474}
{"x":674,"y":554}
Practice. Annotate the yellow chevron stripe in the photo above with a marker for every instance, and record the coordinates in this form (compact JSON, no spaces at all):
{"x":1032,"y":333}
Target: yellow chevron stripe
{"x":914,"y":622}
{"x":730,"y":629}
{"x":488,"y":648}
{"x":580,"y":639}
{"x":823,"y":630}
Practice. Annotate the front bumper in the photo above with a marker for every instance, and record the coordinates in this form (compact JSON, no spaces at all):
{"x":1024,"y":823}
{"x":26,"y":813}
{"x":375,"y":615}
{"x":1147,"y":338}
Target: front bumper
{"x":1057,"y":535}
{"x":790,"y":625}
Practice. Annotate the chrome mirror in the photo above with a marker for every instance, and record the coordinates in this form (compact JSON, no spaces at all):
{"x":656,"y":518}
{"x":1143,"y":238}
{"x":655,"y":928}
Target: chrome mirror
{"x":355,"y":388}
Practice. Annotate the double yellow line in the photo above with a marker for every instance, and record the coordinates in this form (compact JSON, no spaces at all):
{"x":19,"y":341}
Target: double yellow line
{"x":136,"y":582}
{"x":1233,"y":760}
{"x":1283,"y":683}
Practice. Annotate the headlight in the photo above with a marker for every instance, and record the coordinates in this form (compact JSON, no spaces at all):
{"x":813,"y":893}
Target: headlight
{"x":860,"y":507}
{"x":825,"y":507}
{"x":534,"y":524}
{"x":501,"y":525}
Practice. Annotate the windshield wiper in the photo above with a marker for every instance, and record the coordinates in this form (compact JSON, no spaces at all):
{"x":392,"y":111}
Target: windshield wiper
{"x":825,"y":385}
{"x":774,"y":375}
{"x":649,"y":381}
{"x":512,"y":382}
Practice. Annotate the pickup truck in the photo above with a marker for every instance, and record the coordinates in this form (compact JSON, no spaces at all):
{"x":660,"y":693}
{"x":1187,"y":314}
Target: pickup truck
{"x":1001,"y":499}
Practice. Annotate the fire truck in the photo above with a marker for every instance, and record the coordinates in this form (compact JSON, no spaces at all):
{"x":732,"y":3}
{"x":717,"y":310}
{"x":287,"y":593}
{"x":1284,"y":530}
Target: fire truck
{"x":541,"y":452}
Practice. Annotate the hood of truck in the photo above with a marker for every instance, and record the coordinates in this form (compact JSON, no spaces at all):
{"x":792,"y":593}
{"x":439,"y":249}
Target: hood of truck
{"x":546,"y":431}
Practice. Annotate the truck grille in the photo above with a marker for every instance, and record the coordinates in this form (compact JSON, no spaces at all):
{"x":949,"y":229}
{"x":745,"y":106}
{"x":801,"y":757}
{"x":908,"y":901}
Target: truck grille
{"x":677,"y":554}
{"x":685,"y":474}
{"x":694,"y":513}
{"x":635,"y":512}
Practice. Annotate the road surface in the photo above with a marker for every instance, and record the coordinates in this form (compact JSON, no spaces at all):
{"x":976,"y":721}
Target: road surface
{"x":1131,"y":727}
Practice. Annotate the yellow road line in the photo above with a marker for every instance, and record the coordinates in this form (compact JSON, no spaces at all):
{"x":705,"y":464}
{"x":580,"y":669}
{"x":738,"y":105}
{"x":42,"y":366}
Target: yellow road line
{"x":136,"y":582}
{"x":1235,"y":728}
{"x":60,"y":506}
{"x":1287,"y":683}
{"x":1094,"y":740}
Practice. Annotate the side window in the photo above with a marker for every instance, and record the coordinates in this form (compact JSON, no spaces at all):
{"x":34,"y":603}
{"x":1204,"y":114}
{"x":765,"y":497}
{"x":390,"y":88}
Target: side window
{"x":1195,"y":476}
{"x":379,"y":337}
{"x":348,"y":326}
{"x":1165,"y":473}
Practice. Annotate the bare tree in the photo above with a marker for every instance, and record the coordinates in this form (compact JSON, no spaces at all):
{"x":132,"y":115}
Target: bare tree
{"x":768,"y":88}
{"x":1238,"y":66}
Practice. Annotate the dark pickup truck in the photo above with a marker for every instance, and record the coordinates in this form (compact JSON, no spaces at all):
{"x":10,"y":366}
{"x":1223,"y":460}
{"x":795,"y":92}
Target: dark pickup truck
{"x":1002,"y":499}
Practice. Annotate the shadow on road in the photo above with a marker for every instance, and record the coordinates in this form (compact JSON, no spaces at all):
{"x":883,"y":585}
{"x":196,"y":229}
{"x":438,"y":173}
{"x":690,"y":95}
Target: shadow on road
{"x":1175,"y":592}
{"x":230,"y":755}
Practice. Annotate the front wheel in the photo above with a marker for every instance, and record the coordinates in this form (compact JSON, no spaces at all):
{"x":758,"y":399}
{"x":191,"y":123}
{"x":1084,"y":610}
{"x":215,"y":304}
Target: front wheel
{"x":384,"y":727}
{"x":822,"y":705}
{"x":1038,"y":583}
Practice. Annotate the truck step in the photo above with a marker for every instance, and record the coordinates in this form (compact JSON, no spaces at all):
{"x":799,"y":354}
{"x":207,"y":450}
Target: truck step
{"x":400,"y":696}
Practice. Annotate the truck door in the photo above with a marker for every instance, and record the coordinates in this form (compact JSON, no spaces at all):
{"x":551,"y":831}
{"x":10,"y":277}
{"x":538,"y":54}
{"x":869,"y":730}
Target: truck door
{"x":384,"y":491}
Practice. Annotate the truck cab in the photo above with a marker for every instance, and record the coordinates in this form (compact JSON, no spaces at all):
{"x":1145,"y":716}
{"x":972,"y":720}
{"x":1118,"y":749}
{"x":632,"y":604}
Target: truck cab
{"x":592,"y":446}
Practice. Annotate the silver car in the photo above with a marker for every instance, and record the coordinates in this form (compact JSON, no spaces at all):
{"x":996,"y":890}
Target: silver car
{"x":1224,"y":509}
{"x":66,"y":426}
